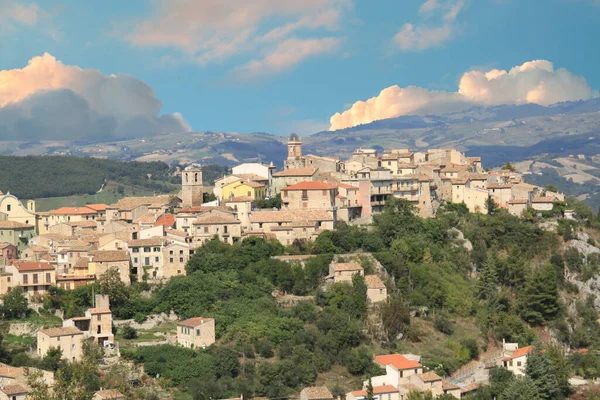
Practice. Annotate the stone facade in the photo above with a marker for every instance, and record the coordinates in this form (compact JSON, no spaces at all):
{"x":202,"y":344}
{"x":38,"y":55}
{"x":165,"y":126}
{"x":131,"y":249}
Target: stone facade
{"x":196,"y":332}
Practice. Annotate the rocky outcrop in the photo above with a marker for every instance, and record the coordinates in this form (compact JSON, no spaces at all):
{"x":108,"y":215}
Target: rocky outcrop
{"x":583,"y":246}
{"x":458,"y":239}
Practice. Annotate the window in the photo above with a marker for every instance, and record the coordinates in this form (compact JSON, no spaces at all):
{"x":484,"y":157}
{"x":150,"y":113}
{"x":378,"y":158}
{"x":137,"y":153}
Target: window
{"x":225,"y":229}
{"x":8,"y":206}
{"x":48,"y":277}
{"x":304,"y":195}
{"x":35,"y":278}
{"x":73,"y":346}
{"x":135,"y":260}
{"x":146,"y":249}
{"x":285,"y":194}
{"x":136,"y":250}
{"x":260,"y":225}
{"x":171,"y":260}
{"x":180,"y":259}
{"x":180,"y":252}
{"x":518,"y":363}
{"x":206,"y":229}
{"x":25,"y":279}
{"x":98,"y":317}
{"x":156,"y":259}
{"x":147,"y":261}
{"x":156,"y":249}
{"x":248,"y":193}
{"x":197,"y":332}
{"x":324,"y":192}
{"x":171,"y":252}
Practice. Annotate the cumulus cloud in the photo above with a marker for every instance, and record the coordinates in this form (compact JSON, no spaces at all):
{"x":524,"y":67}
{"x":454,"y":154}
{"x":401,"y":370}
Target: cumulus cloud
{"x":26,"y":14}
{"x":50,"y":100}
{"x":209,"y":31}
{"x":532,"y":82}
{"x":423,"y":36}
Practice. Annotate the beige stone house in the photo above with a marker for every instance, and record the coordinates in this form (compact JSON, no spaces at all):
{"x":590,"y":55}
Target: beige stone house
{"x":309,"y":195}
{"x":97,"y":322}
{"x":316,"y":393}
{"x":543,"y":203}
{"x":242,"y":207}
{"x":517,"y":361}
{"x":290,"y":225}
{"x":376,"y":290}
{"x":9,"y":251}
{"x":517,"y":206}
{"x":69,"y":339}
{"x":207,"y":226}
{"x":13,"y":392}
{"x":103,"y":260}
{"x":146,"y":256}
{"x":293,"y":176}
{"x":343,"y":272}
{"x":175,"y":256}
{"x":16,"y":233}
{"x":34,"y":277}
{"x":197,"y":332}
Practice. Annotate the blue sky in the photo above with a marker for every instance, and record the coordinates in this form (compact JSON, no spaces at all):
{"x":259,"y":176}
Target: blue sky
{"x":280,"y":67}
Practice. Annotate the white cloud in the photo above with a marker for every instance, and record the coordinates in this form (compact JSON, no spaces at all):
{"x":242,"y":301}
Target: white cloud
{"x":210,"y":31}
{"x":286,"y":55}
{"x":532,"y":82}
{"x":423,"y":36}
{"x":26,"y":14}
{"x":48,"y":99}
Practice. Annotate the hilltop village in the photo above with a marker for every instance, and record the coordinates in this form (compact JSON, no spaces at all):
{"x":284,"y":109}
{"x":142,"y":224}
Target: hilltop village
{"x":151,"y":240}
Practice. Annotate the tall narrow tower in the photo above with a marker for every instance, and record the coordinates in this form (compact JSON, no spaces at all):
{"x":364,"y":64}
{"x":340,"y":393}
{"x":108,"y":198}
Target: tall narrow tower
{"x":191,"y":186}
{"x":294,"y":146}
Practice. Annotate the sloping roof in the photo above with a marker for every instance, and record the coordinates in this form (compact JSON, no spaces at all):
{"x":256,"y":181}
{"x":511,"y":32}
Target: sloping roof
{"x":153,"y":241}
{"x":10,"y":390}
{"x":4,"y":245}
{"x":10,"y":372}
{"x":447,"y":385}
{"x":543,"y":199}
{"x":523,"y":351}
{"x":398,"y":361}
{"x":317,"y":393}
{"x":165,"y":220}
{"x":148,"y":218}
{"x":239,"y":199}
{"x":374,"y":282}
{"x":14,"y":225}
{"x":193,"y":322}
{"x":290,"y":216}
{"x":109,"y":394}
{"x":177,"y":232}
{"x":376,"y":390}
{"x":252,"y":184}
{"x":306,"y":185}
{"x":344,"y":186}
{"x":129,"y":203}
{"x":83,"y":224}
{"x":517,"y":201}
{"x":97,"y":207}
{"x":99,"y":310}
{"x":23,"y":266}
{"x":62,"y":331}
{"x":296,"y":172}
{"x":346,"y":266}
{"x":74,"y":211}
{"x":429,"y":377}
{"x":110,"y":256}
{"x":252,"y":177}
{"x":215,"y":219}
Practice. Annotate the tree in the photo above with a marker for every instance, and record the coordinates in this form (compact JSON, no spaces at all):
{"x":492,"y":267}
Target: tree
{"x":539,"y":299}
{"x":521,"y":389}
{"x":359,"y":289}
{"x":542,"y":376}
{"x":487,"y":285}
{"x":370,"y":394}
{"x":52,"y":360}
{"x":15,"y":303}
{"x":509,"y":167}
{"x":129,"y":332}
{"x":395,"y":316}
{"x":491,"y":206}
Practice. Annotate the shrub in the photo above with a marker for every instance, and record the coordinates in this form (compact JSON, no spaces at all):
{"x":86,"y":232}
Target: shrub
{"x":140,"y":318}
{"x":443,"y":324}
{"x":129,"y":332}
{"x":264,"y":348}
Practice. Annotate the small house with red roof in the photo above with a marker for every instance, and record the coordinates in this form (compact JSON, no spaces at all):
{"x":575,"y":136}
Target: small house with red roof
{"x":517,"y":361}
{"x":34,"y":277}
{"x":197,"y":332}
{"x":306,"y":195}
{"x":399,"y":369}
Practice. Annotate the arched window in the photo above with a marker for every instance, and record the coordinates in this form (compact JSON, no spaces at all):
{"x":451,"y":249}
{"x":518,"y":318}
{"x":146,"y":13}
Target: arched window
{"x":186,"y":178}
{"x":196,"y":177}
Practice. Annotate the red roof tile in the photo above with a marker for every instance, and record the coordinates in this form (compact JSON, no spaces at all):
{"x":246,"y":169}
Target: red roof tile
{"x":193,"y":322}
{"x":523,"y":351}
{"x":26,"y":266}
{"x":376,"y":390}
{"x":97,"y":207}
{"x":316,"y":185}
{"x":398,"y":361}
{"x":74,"y":211}
{"x":166,"y":220}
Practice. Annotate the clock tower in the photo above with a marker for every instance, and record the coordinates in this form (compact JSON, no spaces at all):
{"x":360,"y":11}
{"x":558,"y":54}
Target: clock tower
{"x":294,"y":146}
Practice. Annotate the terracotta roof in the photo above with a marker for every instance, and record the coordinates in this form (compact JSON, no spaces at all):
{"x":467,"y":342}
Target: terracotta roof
{"x":97,"y":207}
{"x":470,"y":387}
{"x":252,"y":184}
{"x":406,"y":166}
{"x":523,"y":351}
{"x":99,"y":310}
{"x":289,"y":216}
{"x":296,"y":172}
{"x":73,"y":211}
{"x":459,"y":181}
{"x":447,"y":385}
{"x":38,"y":249}
{"x":429,"y":377}
{"x":239,"y":199}
{"x":4,"y":245}
{"x":193,"y":322}
{"x":376,"y":390}
{"x":252,"y":177}
{"x":62,"y":331}
{"x":10,"y":372}
{"x":374,"y":282}
{"x":499,"y":186}
{"x":109,"y":394}
{"x":346,"y":267}
{"x":14,"y":225}
{"x":153,"y":241}
{"x":306,"y":185}
{"x":317,"y":393}
{"x":517,"y":201}
{"x":129,"y":203}
{"x":210,"y":219}
{"x":10,"y":390}
{"x":166,"y":220}
{"x":110,"y":256}
{"x":84,"y":224}
{"x":478,"y":177}
{"x":148,"y":218}
{"x":82,"y":263}
{"x":398,"y":361}
{"x":543,"y":199}
{"x":26,"y":266}
{"x":344,"y":186}
{"x":203,"y":209}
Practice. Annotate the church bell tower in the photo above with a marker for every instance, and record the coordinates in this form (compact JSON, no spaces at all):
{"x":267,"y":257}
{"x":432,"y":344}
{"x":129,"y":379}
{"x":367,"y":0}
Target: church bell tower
{"x":191,"y":186}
